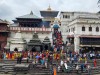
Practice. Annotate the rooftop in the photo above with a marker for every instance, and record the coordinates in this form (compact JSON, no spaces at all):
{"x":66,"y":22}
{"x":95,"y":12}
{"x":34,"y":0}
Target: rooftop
{"x":3,"y":21}
{"x":29,"y":16}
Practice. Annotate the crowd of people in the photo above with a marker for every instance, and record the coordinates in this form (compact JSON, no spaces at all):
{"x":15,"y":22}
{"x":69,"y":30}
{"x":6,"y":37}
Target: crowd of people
{"x":61,"y":58}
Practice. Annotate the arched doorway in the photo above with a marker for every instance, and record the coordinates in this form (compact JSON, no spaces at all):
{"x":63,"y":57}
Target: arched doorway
{"x":46,"y":47}
{"x":16,"y":49}
{"x":33,"y":49}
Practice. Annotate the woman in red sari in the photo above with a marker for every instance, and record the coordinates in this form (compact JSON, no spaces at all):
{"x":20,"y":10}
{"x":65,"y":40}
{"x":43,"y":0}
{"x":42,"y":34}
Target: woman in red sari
{"x":95,"y":63}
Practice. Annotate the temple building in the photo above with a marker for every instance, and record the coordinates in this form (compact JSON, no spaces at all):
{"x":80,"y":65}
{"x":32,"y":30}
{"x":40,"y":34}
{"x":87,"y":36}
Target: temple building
{"x":29,"y":26}
{"x":78,"y":31}
{"x":35,"y":43}
{"x":82,"y":30}
{"x":48,"y":16}
{"x":17,"y":42}
{"x":4,"y":32}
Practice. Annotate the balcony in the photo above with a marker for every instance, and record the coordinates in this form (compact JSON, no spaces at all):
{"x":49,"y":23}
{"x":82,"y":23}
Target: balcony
{"x":3,"y":29}
{"x":30,"y":29}
{"x":90,"y":43}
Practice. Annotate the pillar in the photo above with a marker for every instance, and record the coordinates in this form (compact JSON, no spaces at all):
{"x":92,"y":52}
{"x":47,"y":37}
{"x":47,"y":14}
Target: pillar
{"x":76,"y":44}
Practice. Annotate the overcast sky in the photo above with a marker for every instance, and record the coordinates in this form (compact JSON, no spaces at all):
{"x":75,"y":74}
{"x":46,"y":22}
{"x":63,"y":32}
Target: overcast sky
{"x":10,"y":9}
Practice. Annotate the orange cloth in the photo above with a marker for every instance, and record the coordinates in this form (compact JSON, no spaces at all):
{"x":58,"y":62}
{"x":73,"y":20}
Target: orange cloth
{"x":58,"y":56}
{"x":13,"y":56}
{"x":55,"y":73}
{"x":95,"y":63}
{"x":8,"y":55}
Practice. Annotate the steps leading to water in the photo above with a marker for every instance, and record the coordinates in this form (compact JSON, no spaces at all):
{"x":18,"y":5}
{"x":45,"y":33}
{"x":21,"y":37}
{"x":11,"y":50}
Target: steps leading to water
{"x":6,"y":68}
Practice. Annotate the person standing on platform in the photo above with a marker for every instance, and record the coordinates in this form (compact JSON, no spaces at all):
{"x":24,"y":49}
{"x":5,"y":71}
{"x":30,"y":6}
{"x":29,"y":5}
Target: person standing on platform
{"x":20,"y":57}
{"x":82,"y":67}
{"x":17,"y":58}
{"x":95,"y":62}
{"x":28,"y":59}
{"x":55,"y":72}
{"x":77,"y":68}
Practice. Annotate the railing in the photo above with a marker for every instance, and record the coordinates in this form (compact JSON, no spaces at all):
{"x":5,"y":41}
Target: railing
{"x":30,"y":29}
{"x":91,"y":43}
{"x":4,"y":29}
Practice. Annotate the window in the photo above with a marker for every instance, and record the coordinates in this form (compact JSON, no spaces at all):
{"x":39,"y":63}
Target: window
{"x":90,"y":28}
{"x":69,"y":30}
{"x":63,"y":16}
{"x":97,"y":29}
{"x":66,"y":16}
{"x":83,"y":28}
{"x":74,"y":29}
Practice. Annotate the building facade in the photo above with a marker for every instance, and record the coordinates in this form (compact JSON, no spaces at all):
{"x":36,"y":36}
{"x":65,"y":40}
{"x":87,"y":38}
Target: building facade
{"x":82,"y":29}
{"x":4,"y":31}
{"x":24,"y":28}
{"x":79,"y":30}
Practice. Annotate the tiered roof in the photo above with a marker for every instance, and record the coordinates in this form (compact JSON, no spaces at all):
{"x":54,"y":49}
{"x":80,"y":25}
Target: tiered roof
{"x":29,"y":16}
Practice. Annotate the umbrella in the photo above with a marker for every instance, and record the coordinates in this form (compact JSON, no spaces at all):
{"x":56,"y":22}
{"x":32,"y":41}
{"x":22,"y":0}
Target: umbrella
{"x":37,"y":57}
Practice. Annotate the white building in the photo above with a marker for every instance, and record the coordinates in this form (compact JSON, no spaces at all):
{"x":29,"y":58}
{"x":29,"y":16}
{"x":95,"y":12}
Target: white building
{"x":29,"y":24}
{"x":81,"y":29}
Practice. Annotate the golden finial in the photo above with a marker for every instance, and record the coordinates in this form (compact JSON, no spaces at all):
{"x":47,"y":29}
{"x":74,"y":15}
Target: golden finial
{"x":49,"y":8}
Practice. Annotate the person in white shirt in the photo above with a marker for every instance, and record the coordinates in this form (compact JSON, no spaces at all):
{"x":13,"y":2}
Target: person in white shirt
{"x":65,"y":64}
{"x":61,"y":63}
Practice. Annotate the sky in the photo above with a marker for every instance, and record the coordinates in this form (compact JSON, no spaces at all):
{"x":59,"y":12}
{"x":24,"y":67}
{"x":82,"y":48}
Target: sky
{"x":10,"y":9}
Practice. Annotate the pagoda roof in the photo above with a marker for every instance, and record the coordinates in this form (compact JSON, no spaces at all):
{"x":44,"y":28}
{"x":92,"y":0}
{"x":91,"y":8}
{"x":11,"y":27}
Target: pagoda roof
{"x":3,"y":21}
{"x":49,"y":13}
{"x":35,"y":40}
{"x":29,"y":16}
{"x":46,"y":40}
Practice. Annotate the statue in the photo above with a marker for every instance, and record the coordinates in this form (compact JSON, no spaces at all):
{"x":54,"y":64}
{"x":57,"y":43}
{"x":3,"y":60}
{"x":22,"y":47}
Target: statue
{"x":35,"y":35}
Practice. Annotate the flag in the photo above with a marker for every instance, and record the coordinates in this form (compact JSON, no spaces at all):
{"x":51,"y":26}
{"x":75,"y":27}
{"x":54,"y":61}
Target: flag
{"x":43,"y":28}
{"x":35,"y":30}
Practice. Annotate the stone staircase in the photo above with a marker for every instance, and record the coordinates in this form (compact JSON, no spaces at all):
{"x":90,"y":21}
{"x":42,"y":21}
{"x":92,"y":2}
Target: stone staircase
{"x":21,"y":69}
{"x":97,"y":69}
{"x":10,"y":61}
{"x":40,"y":70}
{"x":6,"y":68}
{"x":93,"y":71}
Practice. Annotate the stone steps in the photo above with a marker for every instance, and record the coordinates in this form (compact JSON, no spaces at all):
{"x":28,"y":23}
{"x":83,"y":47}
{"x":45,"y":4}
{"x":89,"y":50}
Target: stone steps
{"x":40,"y":70}
{"x":9,"y":61}
{"x":41,"y":74}
{"x":6,"y":68}
{"x":95,"y":71}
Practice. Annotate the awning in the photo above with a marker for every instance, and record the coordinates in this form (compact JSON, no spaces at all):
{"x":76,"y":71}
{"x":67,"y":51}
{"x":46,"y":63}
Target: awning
{"x":70,"y":36}
{"x":89,"y":36}
{"x":89,"y":45}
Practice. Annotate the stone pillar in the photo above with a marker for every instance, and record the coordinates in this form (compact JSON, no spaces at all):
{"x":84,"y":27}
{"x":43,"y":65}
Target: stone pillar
{"x":76,"y":44}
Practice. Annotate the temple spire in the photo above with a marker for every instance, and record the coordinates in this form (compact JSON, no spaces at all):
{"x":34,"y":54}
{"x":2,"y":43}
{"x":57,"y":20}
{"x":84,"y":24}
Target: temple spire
{"x":49,"y":8}
{"x":31,"y":13}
